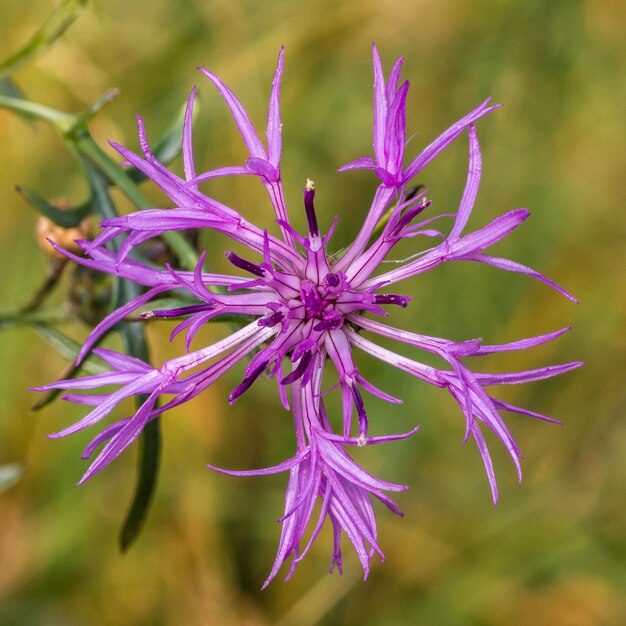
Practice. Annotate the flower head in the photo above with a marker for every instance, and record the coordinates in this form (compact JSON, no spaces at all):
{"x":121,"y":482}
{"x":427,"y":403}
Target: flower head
{"x":303,"y":309}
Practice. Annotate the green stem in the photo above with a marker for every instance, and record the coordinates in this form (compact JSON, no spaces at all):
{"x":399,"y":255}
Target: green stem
{"x":62,"y":121}
{"x":58,"y":22}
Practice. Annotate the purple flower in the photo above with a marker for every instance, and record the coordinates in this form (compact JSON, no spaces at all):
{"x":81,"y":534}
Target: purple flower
{"x":301,"y":308}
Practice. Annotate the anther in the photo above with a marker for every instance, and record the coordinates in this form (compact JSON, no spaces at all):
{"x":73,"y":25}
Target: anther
{"x":392,"y":298}
{"x":311,"y":218}
{"x":300,"y":370}
{"x":246,"y":383}
{"x":242,"y":264}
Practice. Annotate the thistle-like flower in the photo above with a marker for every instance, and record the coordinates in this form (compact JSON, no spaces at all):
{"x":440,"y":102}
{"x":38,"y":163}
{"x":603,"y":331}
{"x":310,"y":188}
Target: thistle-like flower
{"x":305,"y":309}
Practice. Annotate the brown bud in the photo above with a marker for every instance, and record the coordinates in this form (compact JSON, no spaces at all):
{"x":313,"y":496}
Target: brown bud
{"x":62,"y":237}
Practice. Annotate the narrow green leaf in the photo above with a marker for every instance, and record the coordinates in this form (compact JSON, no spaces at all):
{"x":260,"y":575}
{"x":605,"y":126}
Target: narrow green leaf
{"x":97,"y":105}
{"x":65,"y":346}
{"x":11,"y":90}
{"x":134,"y":345}
{"x":9,"y":475}
{"x":21,"y":317}
{"x":149,"y":456}
{"x":62,"y":121}
{"x":70,"y":126}
{"x":56,"y":24}
{"x":65,"y":218}
{"x":102,"y":203}
{"x":68,"y":349}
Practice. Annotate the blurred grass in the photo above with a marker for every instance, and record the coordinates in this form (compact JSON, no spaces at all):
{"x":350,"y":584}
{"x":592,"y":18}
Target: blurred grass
{"x":553,"y":551}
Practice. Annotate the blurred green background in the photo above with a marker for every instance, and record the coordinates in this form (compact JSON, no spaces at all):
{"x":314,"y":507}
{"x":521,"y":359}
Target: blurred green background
{"x":554,"y":550}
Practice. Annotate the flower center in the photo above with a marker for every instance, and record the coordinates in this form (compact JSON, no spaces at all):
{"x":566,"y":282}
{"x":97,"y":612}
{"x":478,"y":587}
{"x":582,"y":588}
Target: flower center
{"x":319,"y":301}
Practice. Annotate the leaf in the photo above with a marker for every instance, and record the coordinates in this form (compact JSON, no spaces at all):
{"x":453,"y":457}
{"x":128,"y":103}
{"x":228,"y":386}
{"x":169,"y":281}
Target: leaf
{"x":28,"y":317}
{"x":56,"y":24}
{"x":32,"y":110}
{"x":65,"y":218}
{"x":96,"y":106}
{"x":65,"y":346}
{"x":71,"y":127}
{"x":9,"y":89}
{"x":102,"y":204}
{"x":134,"y":345}
{"x":68,"y":349}
{"x":146,"y":484}
{"x":10,"y":474}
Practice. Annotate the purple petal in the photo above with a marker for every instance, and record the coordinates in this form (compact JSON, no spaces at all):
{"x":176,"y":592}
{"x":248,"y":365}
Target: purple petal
{"x":490,"y":234}
{"x":362,"y":163}
{"x":274,"y":126}
{"x":113,"y":318}
{"x":188,"y":160}
{"x":234,"y":170}
{"x":117,"y":360}
{"x":505,"y":406}
{"x":250,"y":137}
{"x":380,"y":108}
{"x":160,"y":220}
{"x":274,"y":469}
{"x":394,"y":79}
{"x":395,"y":134}
{"x":486,"y":457}
{"x":122,"y":439}
{"x":513,"y":266}
{"x":446,"y":138}
{"x":366,"y":441}
{"x":522,"y":344}
{"x":419,"y":370}
{"x":514,"y":378}
{"x":267,"y":171}
{"x":106,"y":434}
{"x":471,"y":186}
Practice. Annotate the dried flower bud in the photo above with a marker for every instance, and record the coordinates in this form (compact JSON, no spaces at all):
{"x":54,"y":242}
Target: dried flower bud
{"x":64,"y":237}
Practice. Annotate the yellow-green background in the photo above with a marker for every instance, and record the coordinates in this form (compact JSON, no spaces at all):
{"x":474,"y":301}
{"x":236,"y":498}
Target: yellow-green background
{"x":553,"y":551}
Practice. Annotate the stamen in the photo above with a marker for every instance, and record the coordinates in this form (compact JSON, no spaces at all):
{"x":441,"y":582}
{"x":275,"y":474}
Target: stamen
{"x":332,"y":280}
{"x":242,"y":264}
{"x":272,"y":320}
{"x":300,"y":370}
{"x":360,"y":409}
{"x":309,"y":194}
{"x":392,"y":298}
{"x":332,"y":321}
{"x":408,"y":216}
{"x":310,"y":297}
{"x":247,"y":382}
{"x":186,"y":310}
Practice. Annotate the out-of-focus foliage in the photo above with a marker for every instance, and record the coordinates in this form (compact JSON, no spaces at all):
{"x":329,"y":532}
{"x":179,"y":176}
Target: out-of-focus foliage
{"x":553,"y":551}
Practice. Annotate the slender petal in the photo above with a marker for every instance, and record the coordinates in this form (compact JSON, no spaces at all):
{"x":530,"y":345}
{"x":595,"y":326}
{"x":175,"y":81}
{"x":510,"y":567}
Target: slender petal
{"x":250,"y":138}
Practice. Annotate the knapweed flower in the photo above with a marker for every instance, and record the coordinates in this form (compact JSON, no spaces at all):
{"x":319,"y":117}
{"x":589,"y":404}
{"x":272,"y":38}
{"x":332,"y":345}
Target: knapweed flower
{"x":303,"y":309}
